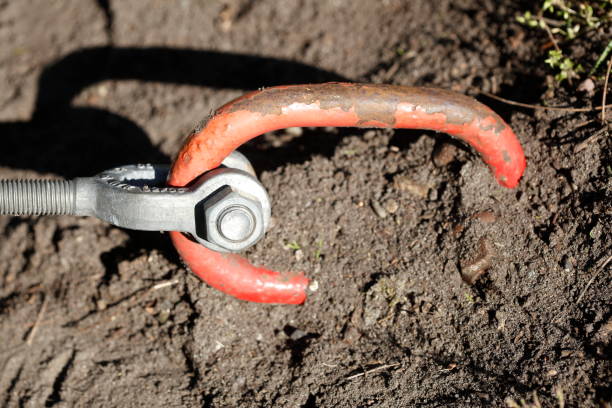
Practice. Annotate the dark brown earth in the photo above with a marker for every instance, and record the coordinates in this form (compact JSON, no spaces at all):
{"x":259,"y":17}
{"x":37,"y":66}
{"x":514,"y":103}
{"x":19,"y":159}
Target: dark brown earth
{"x":94,"y":315}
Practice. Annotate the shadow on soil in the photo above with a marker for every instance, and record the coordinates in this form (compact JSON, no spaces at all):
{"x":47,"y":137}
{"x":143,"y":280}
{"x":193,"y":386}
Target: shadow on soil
{"x":75,"y":141}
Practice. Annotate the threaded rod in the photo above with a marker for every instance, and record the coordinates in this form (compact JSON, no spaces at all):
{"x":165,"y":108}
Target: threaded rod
{"x":37,"y":197}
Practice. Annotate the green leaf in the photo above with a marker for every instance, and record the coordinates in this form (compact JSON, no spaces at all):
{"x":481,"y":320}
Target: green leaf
{"x":293,"y":245}
{"x":554,"y":58}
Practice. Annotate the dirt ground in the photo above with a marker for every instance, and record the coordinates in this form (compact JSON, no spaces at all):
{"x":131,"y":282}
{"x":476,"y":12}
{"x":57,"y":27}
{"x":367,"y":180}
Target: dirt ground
{"x":93,"y":315}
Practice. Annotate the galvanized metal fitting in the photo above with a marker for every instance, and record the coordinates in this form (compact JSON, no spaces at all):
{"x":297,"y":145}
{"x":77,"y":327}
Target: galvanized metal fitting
{"x":227,"y":209}
{"x":233,"y":219}
{"x":234,"y":213}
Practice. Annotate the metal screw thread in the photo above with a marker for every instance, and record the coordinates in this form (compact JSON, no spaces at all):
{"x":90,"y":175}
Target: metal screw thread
{"x":37,"y":197}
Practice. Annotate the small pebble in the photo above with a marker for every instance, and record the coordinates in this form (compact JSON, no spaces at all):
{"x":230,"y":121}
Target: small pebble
{"x":587,"y":86}
{"x":369,"y":135}
{"x":444,"y":154}
{"x":405,"y":184}
{"x":296,"y":334}
{"x":391,"y":206}
{"x":473,"y":270}
{"x":163,"y":316}
{"x":299,"y":255}
{"x":101,"y":304}
{"x":378,"y":209}
{"x":432,"y":195}
{"x":294,"y":131}
{"x":314,"y":286}
{"x":487,"y":216}
{"x":566,"y":190}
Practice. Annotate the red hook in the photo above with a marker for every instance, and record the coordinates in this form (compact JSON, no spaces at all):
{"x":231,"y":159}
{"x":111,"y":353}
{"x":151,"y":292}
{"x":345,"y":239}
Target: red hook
{"x":331,"y":104}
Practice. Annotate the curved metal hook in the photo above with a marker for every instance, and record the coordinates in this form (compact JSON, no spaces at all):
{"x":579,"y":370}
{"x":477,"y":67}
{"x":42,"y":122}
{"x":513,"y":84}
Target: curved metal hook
{"x":331,"y":104}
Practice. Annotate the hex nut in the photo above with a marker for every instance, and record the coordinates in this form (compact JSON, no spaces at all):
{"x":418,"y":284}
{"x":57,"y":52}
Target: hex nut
{"x":232,"y":220}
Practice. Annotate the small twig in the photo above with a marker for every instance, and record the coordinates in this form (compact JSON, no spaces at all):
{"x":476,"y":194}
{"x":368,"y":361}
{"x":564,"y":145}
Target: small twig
{"x":41,"y":312}
{"x":605,"y":92}
{"x":551,"y":37}
{"x":590,"y":282}
{"x":553,"y":22}
{"x":583,"y":124}
{"x":552,"y":108}
{"x":165,"y":284}
{"x":126,"y":302}
{"x":582,"y":145}
{"x":379,"y":368}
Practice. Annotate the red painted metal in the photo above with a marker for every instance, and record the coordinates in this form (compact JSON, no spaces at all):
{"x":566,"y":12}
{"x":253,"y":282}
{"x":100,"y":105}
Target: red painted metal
{"x":332,"y":104}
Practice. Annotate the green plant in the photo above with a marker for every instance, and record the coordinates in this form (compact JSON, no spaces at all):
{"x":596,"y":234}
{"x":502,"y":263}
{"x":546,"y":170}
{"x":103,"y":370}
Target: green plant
{"x":601,"y":58}
{"x":293,"y":245}
{"x":563,"y":21}
{"x":565,"y":67}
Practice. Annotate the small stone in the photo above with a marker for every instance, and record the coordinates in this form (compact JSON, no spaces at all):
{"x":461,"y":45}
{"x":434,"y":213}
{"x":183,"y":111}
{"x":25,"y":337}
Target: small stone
{"x":101,"y":304}
{"x":391,"y":206}
{"x":405,"y":184}
{"x":587,"y":86}
{"x":487,"y":216}
{"x":378,"y":209}
{"x":299,"y":255}
{"x":552,"y":373}
{"x":444,"y":154}
{"x":297,"y":334}
{"x":294,"y":131}
{"x":369,"y":135}
{"x":163,"y":316}
{"x":473,"y":270}
{"x":432,"y":194}
{"x":314,"y":286}
{"x":566,"y":190}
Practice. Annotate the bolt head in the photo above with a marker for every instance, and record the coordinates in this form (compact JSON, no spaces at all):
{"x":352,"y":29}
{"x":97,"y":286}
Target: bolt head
{"x":236,"y":223}
{"x":232,"y":220}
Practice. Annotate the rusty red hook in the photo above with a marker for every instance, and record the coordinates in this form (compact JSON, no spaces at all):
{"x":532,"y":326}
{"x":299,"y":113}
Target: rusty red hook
{"x":331,"y":104}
